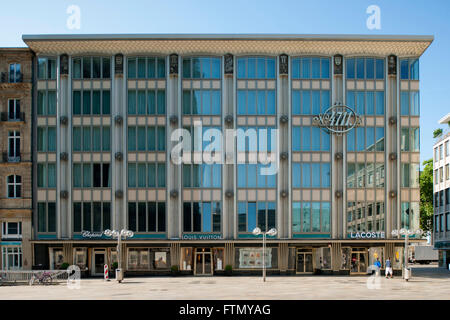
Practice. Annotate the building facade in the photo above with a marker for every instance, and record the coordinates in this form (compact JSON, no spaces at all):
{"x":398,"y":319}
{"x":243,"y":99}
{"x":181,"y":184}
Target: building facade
{"x":336,"y":117}
{"x":441,"y":189}
{"x":16,"y":158}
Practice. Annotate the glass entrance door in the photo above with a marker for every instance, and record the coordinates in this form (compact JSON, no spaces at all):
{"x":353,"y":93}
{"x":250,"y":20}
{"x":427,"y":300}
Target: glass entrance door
{"x":99,"y":262}
{"x":359,"y":262}
{"x":304,"y":262}
{"x":203,"y":263}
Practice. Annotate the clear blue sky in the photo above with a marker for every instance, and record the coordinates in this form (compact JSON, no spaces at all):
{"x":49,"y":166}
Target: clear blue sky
{"x":417,"y":17}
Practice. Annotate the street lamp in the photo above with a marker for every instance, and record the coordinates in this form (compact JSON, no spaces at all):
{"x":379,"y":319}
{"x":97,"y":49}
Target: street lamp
{"x":406,"y":232}
{"x":272,"y":232}
{"x":116,"y":234}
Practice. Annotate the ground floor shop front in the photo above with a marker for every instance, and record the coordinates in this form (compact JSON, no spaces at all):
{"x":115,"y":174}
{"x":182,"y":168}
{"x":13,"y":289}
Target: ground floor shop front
{"x":218,"y":258}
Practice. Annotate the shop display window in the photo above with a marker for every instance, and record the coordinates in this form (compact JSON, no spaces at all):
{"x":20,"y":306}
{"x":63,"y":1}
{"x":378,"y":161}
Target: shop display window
{"x":57,"y":258}
{"x":186,"y":259}
{"x":114,"y":257}
{"x":323,"y":258}
{"x":218,"y":259}
{"x":138,"y":259}
{"x":161,"y":258}
{"x":346,"y":254}
{"x":374,"y":253}
{"x":292,"y":258}
{"x":251,"y":258}
{"x":80,"y":257}
{"x":398,"y":258}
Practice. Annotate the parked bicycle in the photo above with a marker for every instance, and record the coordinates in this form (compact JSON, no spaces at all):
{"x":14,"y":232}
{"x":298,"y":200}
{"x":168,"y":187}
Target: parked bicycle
{"x":44,"y":278}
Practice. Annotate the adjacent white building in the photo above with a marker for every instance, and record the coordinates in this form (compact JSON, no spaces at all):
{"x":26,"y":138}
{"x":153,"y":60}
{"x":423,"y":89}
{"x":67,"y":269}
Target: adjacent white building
{"x":441,"y":189}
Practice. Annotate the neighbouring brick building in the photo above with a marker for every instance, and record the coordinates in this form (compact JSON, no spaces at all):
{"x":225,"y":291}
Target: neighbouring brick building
{"x":15,"y":158}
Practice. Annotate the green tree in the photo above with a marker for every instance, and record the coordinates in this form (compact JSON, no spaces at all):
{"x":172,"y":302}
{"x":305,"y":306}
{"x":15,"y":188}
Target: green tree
{"x":426,"y":196}
{"x":437,"y":133}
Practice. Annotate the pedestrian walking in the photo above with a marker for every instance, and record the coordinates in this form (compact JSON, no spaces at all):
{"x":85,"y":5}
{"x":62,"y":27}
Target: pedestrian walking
{"x":377,"y":265}
{"x":388,"y":268}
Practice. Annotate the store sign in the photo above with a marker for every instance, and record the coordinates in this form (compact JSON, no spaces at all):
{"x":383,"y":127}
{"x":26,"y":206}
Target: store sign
{"x":199,"y":236}
{"x":367,"y":235}
{"x":89,"y":234}
{"x":338,"y":119}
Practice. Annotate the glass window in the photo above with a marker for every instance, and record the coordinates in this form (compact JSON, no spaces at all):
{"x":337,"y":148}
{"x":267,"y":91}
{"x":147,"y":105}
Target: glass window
{"x":379,"y":102}
{"x":51,"y":103}
{"x":106,"y":68}
{"x":350,"y":64}
{"x":306,"y":175}
{"x":306,"y":216}
{"x":87,"y":175}
{"x":86,"y":67}
{"x":315,"y":217}
{"x":326,"y":176}
{"x":415,"y":110}
{"x":370,"y":68}
{"x":131,"y":68}
{"x":404,"y":103}
{"x":414,"y":73}
{"x":326,"y":217}
{"x":359,"y":68}
{"x":379,"y":68}
{"x":51,"y":139}
{"x":315,"y":175}
{"x":404,"y":69}
{"x":306,"y":68}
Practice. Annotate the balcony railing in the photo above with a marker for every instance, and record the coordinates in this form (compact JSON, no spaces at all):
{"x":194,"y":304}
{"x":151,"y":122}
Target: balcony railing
{"x":13,"y":116}
{"x":17,"y":77}
{"x":11,"y":159}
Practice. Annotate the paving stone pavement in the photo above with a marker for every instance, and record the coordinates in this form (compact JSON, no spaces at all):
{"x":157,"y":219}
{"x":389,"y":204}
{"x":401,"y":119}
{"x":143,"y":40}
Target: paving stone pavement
{"x":427,"y":283}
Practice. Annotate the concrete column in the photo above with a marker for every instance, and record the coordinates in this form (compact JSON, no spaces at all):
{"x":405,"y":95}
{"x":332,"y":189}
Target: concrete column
{"x":336,"y":256}
{"x":174,"y":225}
{"x":64,"y":144}
{"x":392,"y":141}
{"x":283,"y":257}
{"x":68,"y":253}
{"x":283,"y":107}
{"x":118,"y":139}
{"x":27,"y":248}
{"x":228,"y":182}
{"x":282,"y":216}
{"x":338,"y":166}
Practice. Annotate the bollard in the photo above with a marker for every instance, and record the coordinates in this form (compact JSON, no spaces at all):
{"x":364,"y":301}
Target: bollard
{"x":106,"y":273}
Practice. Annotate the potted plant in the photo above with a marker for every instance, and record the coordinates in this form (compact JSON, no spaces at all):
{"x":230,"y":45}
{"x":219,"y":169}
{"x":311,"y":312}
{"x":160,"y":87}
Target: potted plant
{"x":64,"y":266}
{"x":228,"y":269}
{"x":174,"y":270}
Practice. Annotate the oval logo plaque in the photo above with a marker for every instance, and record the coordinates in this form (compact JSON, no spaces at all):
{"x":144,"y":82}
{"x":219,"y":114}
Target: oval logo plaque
{"x":338,"y":119}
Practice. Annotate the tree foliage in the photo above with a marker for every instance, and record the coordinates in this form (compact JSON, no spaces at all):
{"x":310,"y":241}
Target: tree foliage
{"x":426,"y":196}
{"x":437,"y":133}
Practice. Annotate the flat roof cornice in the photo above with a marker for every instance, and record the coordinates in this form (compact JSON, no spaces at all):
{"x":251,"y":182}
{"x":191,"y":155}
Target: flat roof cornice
{"x":227,"y":36}
{"x":239,"y":44}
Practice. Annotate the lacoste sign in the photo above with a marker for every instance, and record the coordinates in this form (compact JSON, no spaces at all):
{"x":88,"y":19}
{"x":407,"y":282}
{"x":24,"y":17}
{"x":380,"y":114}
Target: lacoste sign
{"x":338,"y":119}
{"x":367,"y":235}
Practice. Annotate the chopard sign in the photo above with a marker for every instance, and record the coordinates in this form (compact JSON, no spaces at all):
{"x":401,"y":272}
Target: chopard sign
{"x":338,"y":119}
{"x":89,"y":234}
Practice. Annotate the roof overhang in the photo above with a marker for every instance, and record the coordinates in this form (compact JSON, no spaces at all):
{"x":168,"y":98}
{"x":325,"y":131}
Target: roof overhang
{"x":445,"y":119}
{"x":239,"y":44}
